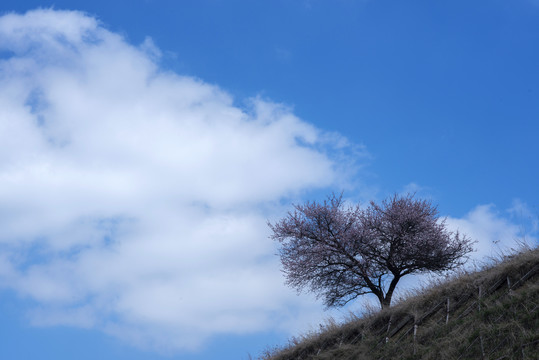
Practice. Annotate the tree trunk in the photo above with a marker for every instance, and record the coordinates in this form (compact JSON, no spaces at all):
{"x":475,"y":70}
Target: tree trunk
{"x":386,"y":302}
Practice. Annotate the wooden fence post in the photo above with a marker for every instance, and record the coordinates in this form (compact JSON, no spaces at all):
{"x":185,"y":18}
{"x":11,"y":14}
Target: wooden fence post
{"x":509,"y":286}
{"x":415,"y":333}
{"x":388,"y":327}
{"x":447,"y":313}
{"x":480,"y":335}
{"x":479,"y":299}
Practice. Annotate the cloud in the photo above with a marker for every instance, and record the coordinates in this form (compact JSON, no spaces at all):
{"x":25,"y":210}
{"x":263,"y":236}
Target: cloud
{"x":494,"y":232}
{"x":134,"y":200}
{"x":528,"y":218}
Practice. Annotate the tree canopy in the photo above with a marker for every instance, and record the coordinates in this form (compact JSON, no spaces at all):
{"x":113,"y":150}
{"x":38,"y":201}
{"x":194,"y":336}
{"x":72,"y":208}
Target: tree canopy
{"x":341,"y":252}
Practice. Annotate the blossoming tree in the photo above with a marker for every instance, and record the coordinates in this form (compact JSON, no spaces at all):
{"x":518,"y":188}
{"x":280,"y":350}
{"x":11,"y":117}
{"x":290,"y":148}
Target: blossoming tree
{"x":341,"y":252}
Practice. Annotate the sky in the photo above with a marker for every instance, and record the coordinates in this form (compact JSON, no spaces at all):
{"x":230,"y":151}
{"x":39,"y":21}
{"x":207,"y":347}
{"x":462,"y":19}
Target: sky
{"x":145,"y":145}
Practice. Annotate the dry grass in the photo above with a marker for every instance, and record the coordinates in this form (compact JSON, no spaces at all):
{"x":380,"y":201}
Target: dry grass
{"x":493,"y":313}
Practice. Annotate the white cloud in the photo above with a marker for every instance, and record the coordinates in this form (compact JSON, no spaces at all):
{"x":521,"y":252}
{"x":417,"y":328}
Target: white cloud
{"x":133,"y":200}
{"x":527,"y":217}
{"x":493,"y":232}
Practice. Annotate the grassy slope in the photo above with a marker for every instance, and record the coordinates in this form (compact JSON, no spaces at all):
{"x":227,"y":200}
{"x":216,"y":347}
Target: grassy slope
{"x":493,"y":314}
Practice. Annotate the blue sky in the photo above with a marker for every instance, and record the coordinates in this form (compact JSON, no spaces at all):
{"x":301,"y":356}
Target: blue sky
{"x":146,"y":143}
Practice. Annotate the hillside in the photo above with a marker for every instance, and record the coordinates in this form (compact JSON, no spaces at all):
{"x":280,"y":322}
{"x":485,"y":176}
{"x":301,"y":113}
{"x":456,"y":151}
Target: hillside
{"x":489,"y":314}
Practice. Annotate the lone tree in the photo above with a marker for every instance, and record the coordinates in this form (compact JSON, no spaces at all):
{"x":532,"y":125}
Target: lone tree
{"x":342,"y":252}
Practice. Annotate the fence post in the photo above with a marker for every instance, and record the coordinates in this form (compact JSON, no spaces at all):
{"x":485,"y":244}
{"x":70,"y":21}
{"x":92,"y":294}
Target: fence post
{"x":480,"y":335}
{"x":509,"y":285}
{"x":447,"y":313}
{"x":415,"y":332}
{"x":479,"y":299}
{"x":388,"y":327}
